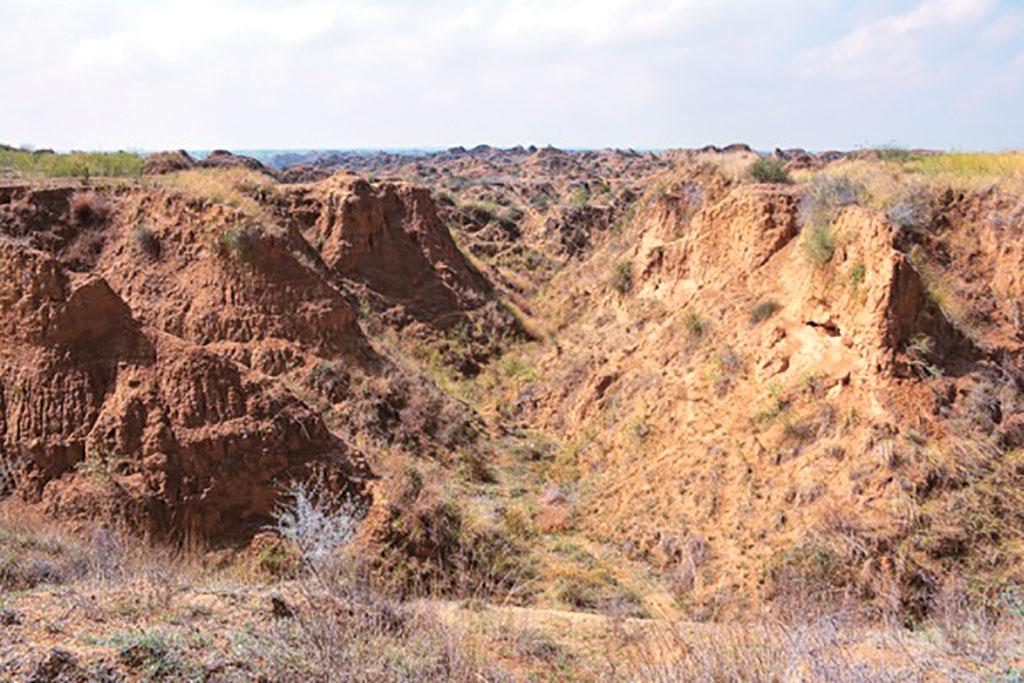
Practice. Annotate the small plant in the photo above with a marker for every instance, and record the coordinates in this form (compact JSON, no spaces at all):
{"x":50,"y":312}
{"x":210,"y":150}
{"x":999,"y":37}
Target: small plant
{"x":146,"y":241}
{"x":728,"y":366}
{"x":920,"y":352}
{"x":695,"y":325}
{"x":317,"y":521}
{"x":764,"y":310}
{"x":238,"y":242}
{"x":517,"y":369}
{"x":579,"y":196}
{"x":640,"y":429}
{"x":474,"y":466}
{"x":8,"y":478}
{"x":158,"y":652}
{"x":769,"y":170}
{"x":96,"y":466}
{"x":622,"y":277}
{"x":913,"y":210}
{"x":857,"y":274}
{"x":824,"y":200}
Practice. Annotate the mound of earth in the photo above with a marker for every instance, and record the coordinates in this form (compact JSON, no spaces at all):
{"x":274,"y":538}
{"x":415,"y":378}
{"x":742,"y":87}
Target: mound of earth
{"x":162,"y":163}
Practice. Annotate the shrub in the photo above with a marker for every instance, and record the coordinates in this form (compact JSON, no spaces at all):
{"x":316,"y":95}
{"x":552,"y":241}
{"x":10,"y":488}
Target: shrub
{"x":317,"y":521}
{"x":808,"y":570}
{"x":330,"y":380}
{"x":920,"y":351}
{"x":826,"y":197}
{"x":474,"y":466}
{"x":146,"y":241}
{"x":914,"y":209}
{"x":769,"y":170}
{"x":892,"y":154}
{"x":622,"y":277}
{"x":764,"y":310}
{"x":89,"y":209}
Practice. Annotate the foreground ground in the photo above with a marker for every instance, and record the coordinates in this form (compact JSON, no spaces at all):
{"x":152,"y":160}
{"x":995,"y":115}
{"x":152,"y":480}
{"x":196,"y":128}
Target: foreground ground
{"x":104,"y":608}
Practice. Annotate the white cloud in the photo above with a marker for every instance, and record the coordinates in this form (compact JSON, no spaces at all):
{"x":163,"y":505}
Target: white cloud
{"x":894,"y":46}
{"x":1008,"y":26}
{"x":251,"y":73}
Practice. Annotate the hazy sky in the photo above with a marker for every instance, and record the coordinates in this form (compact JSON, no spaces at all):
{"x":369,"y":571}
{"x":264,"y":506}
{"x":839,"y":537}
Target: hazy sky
{"x":151,"y":74}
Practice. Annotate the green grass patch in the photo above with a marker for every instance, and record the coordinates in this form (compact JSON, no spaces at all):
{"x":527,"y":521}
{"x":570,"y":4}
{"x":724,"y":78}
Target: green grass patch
{"x":764,"y":310}
{"x":622,"y":277}
{"x":73,"y":165}
{"x":971,"y":164}
{"x":769,"y":170}
{"x":819,"y":245}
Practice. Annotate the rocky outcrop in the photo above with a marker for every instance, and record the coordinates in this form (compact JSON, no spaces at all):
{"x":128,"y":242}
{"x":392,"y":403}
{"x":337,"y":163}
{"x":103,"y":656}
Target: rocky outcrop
{"x":390,"y":238}
{"x":223,"y":277}
{"x":162,"y":163}
{"x":707,"y":241}
{"x":885,"y":304}
{"x":221,"y":158}
{"x":103,"y":416}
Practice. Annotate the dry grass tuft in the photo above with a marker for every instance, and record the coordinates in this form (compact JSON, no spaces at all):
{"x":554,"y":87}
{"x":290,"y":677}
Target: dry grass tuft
{"x":238,"y":188}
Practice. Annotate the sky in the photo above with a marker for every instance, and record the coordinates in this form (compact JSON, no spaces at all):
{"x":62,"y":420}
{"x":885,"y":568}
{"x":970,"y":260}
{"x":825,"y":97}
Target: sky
{"x":647,"y":74}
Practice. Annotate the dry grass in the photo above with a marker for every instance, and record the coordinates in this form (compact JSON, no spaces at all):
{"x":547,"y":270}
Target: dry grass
{"x":238,"y":188}
{"x":733,"y":166}
{"x":149,"y":613}
{"x":833,"y":648}
{"x":885,"y":180}
{"x":128,"y":609}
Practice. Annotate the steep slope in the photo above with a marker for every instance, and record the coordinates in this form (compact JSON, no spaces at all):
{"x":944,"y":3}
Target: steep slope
{"x":759,"y":425}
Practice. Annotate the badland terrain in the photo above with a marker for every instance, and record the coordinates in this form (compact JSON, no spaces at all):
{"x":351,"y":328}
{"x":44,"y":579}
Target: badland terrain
{"x":512,"y":414}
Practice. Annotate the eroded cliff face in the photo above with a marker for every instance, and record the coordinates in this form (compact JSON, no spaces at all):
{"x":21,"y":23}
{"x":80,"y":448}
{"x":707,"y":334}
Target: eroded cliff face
{"x":389,"y":237}
{"x":104,"y":414}
{"x":739,"y":402}
{"x":169,"y":360}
